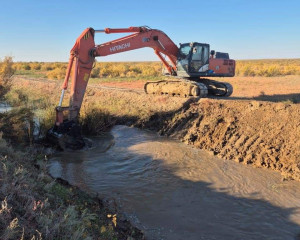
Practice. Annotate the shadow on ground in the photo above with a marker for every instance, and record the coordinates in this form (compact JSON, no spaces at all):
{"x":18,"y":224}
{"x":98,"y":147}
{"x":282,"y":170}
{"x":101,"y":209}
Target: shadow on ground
{"x":289,"y":98}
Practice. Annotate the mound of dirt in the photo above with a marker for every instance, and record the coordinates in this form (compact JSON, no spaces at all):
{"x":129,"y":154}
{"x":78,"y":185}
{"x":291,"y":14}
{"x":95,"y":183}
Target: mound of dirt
{"x":259,"y":133}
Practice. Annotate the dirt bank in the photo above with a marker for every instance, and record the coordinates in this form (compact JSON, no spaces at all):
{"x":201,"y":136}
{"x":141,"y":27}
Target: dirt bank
{"x":264,"y":133}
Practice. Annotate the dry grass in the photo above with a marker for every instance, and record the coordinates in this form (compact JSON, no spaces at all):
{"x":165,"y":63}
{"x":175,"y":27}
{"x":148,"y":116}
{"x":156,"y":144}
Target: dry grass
{"x":268,"y":68}
{"x":94,"y":121}
{"x":124,"y":71}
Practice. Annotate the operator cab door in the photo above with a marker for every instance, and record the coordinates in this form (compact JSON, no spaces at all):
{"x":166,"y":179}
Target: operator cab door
{"x":199,"y":58}
{"x":193,"y":59}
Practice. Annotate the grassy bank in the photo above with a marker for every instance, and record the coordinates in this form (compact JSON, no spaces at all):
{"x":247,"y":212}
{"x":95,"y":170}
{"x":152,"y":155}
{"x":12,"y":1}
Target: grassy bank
{"x":33,"y":205}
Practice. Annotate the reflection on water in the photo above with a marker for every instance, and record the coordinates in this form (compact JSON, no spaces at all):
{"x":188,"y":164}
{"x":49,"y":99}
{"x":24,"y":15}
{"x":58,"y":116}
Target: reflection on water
{"x":172,"y":191}
{"x":4,"y":107}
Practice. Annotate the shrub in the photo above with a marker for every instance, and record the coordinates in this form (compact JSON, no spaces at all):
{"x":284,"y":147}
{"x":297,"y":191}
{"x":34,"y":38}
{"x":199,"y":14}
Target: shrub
{"x":46,"y":67}
{"x":248,"y":71}
{"x":18,"y":125}
{"x":95,"y":72}
{"x":26,"y":66}
{"x":6,"y":73}
{"x":35,"y":66}
{"x":46,"y":119}
{"x":131,"y":74}
{"x":57,"y":73}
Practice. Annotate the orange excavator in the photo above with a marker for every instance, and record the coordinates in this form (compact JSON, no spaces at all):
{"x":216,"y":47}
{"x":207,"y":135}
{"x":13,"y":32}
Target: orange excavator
{"x":188,"y":65}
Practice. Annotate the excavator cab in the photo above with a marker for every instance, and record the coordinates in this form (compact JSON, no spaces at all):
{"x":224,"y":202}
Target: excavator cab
{"x":193,"y":59}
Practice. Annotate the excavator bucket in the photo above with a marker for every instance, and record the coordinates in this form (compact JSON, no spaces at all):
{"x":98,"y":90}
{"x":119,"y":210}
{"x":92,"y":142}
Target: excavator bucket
{"x":66,"y":136}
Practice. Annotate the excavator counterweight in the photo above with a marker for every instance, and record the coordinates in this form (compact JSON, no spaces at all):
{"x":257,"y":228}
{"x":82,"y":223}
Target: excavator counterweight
{"x":189,"y":65}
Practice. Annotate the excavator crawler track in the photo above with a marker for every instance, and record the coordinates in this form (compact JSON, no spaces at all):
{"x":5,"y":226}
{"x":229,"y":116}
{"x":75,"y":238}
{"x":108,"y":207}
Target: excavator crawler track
{"x":182,"y":88}
{"x":187,"y":88}
{"x":216,"y":88}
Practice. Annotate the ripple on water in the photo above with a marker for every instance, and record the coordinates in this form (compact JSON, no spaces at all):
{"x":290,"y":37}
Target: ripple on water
{"x":173,"y":191}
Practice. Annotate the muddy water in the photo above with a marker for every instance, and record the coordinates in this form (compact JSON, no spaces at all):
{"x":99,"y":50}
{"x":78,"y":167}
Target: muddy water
{"x":172,"y":191}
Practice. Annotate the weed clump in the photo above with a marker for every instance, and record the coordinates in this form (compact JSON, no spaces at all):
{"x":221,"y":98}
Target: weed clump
{"x":18,"y":126}
{"x":57,"y":73}
{"x":94,"y":121}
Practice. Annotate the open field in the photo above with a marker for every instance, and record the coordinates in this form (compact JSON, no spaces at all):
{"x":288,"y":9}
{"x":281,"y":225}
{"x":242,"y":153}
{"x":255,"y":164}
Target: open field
{"x":108,"y":71}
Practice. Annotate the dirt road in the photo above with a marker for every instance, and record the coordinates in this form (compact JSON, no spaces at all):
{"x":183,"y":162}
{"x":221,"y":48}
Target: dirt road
{"x":258,"y":125}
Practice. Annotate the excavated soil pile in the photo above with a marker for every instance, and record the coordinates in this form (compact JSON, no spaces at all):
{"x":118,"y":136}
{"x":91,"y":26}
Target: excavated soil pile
{"x":260,"y":133}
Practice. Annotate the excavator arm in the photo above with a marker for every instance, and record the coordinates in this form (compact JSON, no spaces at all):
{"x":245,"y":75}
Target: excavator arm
{"x":82,"y":56}
{"x":84,"y":51}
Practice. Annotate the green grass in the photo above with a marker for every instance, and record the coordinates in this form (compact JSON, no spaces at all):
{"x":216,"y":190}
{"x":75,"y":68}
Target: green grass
{"x":123,"y":79}
{"x":42,"y":74}
{"x":31,"y":73}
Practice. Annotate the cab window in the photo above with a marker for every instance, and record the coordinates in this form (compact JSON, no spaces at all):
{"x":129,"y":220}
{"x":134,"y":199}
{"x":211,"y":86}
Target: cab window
{"x":200,"y":53}
{"x":184,"y":51}
{"x":197,"y":53}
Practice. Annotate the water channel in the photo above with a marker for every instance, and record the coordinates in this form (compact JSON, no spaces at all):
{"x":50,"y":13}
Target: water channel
{"x":174,"y":191}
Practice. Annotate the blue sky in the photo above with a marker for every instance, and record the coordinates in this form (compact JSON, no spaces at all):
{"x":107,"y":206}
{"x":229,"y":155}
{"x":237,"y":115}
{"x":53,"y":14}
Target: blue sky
{"x":46,"y":30}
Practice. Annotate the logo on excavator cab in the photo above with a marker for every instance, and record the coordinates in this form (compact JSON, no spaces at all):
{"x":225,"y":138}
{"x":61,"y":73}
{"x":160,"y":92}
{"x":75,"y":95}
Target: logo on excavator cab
{"x":119,"y":47}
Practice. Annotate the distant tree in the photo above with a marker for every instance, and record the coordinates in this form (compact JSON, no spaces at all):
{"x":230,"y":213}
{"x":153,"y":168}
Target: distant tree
{"x":6,"y":74}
